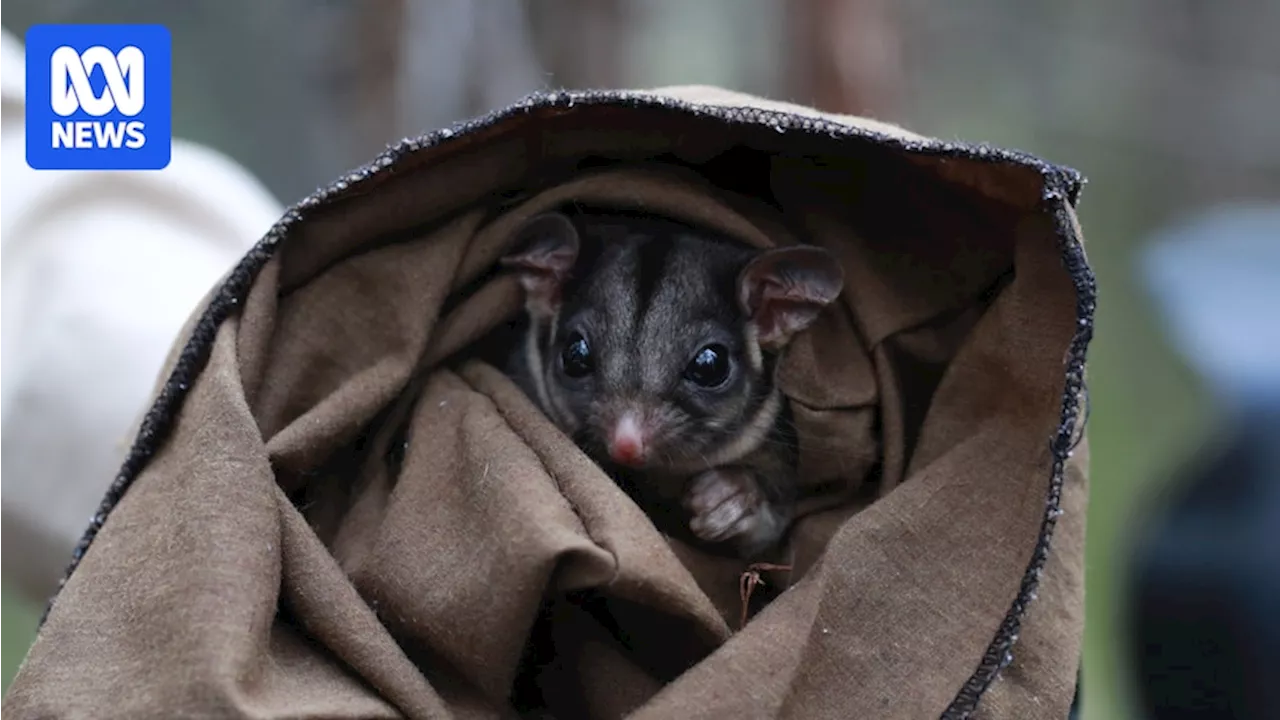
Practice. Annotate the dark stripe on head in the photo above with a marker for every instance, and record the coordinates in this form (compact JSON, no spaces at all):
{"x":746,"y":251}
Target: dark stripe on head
{"x":652,"y":260}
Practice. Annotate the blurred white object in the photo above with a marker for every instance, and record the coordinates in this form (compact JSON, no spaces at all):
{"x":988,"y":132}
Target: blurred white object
{"x":1216,"y":280}
{"x":100,"y":271}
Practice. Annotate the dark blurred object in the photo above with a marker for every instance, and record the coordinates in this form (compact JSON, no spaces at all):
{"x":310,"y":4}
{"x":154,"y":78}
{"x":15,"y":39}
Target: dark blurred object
{"x":1074,"y":712}
{"x":1207,"y":584}
{"x":1204,"y":605}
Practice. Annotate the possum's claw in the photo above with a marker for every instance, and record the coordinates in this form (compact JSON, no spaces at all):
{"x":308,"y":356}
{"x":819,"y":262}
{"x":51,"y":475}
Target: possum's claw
{"x":727,"y":505}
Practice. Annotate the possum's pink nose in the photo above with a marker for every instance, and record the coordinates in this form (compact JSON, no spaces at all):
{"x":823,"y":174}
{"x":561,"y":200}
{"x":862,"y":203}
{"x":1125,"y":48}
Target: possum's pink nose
{"x":626,"y":443}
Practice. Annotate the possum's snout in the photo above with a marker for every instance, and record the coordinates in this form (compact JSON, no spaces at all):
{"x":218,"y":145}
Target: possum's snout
{"x":628,"y":442}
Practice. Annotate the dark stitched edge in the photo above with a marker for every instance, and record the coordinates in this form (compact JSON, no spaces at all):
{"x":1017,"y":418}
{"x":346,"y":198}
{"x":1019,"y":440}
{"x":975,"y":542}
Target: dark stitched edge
{"x":999,"y":653}
{"x":1061,"y":188}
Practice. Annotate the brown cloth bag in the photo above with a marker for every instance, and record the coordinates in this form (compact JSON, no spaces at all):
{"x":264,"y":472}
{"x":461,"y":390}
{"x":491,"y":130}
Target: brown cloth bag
{"x":335,"y":510}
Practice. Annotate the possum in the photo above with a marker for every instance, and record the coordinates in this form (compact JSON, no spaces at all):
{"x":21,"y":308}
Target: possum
{"x":654,"y":345}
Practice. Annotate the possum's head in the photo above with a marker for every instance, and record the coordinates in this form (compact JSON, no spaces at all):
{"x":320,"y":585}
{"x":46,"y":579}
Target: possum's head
{"x":654,"y":344}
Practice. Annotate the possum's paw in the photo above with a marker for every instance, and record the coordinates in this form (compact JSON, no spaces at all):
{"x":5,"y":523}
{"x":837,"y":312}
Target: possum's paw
{"x":728,"y":506}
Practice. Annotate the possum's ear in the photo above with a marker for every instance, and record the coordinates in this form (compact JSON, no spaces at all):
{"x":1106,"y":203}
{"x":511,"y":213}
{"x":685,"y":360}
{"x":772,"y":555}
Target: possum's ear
{"x":783,"y":290}
{"x":546,"y":249}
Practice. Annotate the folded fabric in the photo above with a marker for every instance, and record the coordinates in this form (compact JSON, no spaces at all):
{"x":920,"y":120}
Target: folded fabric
{"x":335,"y":509}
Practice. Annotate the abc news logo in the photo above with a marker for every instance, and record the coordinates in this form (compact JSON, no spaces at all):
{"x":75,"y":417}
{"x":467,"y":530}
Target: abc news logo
{"x":125,"y":93}
{"x":99,"y":97}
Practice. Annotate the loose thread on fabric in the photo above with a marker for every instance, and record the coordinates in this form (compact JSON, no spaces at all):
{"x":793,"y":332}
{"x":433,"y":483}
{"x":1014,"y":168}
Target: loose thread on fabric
{"x":747,"y":583}
{"x":1084,"y":422}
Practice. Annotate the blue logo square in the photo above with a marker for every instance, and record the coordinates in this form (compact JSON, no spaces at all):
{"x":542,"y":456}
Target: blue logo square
{"x":99,"y":97}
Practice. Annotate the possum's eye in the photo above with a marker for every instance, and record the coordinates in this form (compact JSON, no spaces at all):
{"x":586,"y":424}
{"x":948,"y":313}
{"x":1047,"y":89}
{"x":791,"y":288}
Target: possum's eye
{"x":709,"y":367}
{"x":575,"y":358}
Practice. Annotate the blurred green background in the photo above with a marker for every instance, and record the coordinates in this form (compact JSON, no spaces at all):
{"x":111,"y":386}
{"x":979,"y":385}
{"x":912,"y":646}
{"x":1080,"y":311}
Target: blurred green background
{"x":17,"y":629}
{"x":1167,"y":106}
